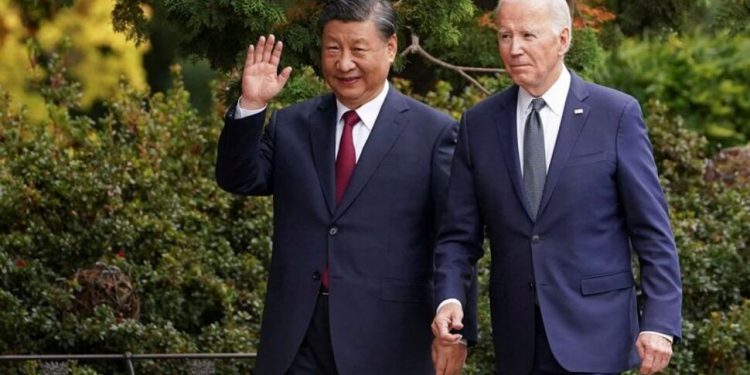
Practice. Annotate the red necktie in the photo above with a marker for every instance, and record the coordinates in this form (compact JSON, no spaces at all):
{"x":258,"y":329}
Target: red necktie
{"x":346,"y":159}
{"x":345,"y":163}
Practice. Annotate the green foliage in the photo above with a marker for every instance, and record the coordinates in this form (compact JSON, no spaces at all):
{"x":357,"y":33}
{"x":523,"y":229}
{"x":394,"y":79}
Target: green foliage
{"x":134,"y":189}
{"x":703,"y":79}
{"x":733,"y":15}
{"x":585,"y":53}
{"x":711,"y":223}
{"x":727,"y":335}
{"x":664,"y":16}
{"x":217,"y":32}
{"x":222,"y":32}
{"x":436,"y":21}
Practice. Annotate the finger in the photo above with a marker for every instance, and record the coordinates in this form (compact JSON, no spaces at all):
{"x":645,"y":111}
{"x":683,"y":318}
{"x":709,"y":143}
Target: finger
{"x":250,"y":57}
{"x":456,"y":320}
{"x":641,"y":348}
{"x":434,"y":354}
{"x":647,"y":364}
{"x":660,"y":363}
{"x":442,"y":366}
{"x":441,"y":331}
{"x":268,"y":49}
{"x":284,"y":76}
{"x":455,"y":368}
{"x":276,"y":54}
{"x":662,"y":360}
{"x":259,"y":48}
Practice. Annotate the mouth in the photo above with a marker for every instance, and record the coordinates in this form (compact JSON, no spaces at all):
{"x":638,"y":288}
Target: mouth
{"x":519,"y":66}
{"x":347,"y":80}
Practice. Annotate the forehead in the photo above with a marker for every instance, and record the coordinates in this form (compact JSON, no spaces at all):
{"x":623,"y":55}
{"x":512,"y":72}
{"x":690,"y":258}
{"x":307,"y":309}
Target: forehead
{"x":522,"y":15}
{"x":351,"y":31}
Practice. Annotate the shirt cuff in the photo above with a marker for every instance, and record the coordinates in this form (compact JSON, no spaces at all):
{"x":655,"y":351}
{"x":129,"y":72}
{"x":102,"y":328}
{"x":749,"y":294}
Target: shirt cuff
{"x":665,"y":336}
{"x":447,"y":301}
{"x":241,"y":113}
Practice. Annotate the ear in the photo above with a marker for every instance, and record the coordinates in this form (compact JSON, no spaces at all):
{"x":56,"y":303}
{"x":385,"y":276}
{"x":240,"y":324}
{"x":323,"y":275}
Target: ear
{"x":564,"y":41}
{"x":392,"y":47}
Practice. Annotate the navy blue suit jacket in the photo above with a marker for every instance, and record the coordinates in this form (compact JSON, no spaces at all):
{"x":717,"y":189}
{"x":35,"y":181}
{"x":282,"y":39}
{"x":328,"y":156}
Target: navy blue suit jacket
{"x":379,"y":240}
{"x":602,"y":202}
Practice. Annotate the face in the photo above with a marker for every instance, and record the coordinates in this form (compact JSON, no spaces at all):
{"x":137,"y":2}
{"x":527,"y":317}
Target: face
{"x":531,"y":50}
{"x":356,"y":60}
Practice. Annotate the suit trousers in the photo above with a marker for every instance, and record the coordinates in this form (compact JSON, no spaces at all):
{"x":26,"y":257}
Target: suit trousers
{"x":544,"y":360}
{"x":315,"y":355}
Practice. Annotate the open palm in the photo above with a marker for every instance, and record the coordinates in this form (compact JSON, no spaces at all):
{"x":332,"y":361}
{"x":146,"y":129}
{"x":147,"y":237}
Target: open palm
{"x":261,"y":81}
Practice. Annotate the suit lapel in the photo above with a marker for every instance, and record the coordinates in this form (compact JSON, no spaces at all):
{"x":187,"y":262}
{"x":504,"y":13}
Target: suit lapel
{"x":323,"y":138}
{"x":570,"y":129}
{"x":389,"y":125}
{"x":505,"y":123}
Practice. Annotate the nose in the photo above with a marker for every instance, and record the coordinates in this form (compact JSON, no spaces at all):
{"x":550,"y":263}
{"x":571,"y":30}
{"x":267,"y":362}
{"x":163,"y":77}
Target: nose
{"x":516,"y":47}
{"x":345,"y":63}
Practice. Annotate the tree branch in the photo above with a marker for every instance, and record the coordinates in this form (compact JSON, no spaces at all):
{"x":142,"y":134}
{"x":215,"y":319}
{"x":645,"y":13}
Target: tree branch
{"x":416,"y":48}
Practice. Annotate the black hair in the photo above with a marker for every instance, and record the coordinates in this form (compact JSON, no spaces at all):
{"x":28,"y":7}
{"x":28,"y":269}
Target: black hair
{"x":379,"y":11}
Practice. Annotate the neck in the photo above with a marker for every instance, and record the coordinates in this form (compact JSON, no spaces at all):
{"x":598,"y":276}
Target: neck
{"x":537,"y":92}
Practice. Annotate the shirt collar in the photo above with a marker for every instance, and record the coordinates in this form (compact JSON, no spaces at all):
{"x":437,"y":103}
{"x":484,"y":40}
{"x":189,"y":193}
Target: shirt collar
{"x":554,"y":97}
{"x":367,"y":112}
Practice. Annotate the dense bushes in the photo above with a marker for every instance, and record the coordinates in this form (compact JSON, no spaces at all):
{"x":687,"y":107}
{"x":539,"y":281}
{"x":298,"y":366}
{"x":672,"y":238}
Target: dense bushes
{"x":135,"y":190}
{"x":704,"y":79}
{"x":711,"y":223}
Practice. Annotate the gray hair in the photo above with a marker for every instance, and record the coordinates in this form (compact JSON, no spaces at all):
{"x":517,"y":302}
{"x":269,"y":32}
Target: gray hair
{"x":559,"y":14}
{"x":379,"y":11}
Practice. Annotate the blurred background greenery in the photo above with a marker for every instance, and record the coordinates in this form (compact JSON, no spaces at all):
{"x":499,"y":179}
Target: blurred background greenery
{"x":114,"y":237}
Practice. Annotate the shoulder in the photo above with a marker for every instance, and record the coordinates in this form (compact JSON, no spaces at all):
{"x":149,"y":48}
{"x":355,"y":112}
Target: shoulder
{"x":495,"y":103}
{"x":418,"y":111}
{"x":604,"y":97}
{"x":309,"y":105}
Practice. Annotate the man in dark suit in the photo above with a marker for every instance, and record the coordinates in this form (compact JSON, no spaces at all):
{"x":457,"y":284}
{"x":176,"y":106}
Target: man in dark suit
{"x":358,"y":178}
{"x":559,"y":173}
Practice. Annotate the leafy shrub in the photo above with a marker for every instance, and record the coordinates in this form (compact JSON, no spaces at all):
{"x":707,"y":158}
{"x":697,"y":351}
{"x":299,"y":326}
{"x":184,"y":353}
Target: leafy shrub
{"x":134,"y":189}
{"x":711,"y":223}
{"x":704,"y":79}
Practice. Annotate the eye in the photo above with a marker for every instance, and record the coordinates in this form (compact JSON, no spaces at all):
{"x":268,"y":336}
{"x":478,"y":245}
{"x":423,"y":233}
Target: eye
{"x":505,"y":36}
{"x":529,"y":35}
{"x":332,"y":49}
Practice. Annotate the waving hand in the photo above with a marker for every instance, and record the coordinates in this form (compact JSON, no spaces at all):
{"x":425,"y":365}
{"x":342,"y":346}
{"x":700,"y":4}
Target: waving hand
{"x":261,"y":81}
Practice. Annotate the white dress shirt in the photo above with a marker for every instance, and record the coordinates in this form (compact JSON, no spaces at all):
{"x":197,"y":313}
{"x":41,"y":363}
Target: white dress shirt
{"x":368,"y":114}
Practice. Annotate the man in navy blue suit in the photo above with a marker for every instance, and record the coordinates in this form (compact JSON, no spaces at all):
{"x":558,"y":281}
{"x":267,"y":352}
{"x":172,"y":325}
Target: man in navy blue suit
{"x":559,"y":174}
{"x":359,"y":178}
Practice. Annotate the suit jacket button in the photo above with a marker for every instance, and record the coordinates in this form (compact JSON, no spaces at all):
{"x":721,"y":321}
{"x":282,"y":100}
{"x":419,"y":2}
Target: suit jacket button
{"x":333,"y":231}
{"x":535,"y":240}
{"x":531,"y":285}
{"x":316,"y":276}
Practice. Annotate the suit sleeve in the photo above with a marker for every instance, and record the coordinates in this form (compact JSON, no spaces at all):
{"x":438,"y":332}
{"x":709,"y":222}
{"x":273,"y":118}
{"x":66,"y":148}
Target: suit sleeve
{"x":244,"y":162}
{"x":647,"y":221}
{"x":443,"y":159}
{"x":459,"y":242}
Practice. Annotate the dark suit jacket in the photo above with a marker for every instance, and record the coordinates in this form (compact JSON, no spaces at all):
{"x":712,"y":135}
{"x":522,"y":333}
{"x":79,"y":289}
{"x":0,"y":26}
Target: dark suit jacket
{"x":379,"y":240}
{"x":601,"y":201}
